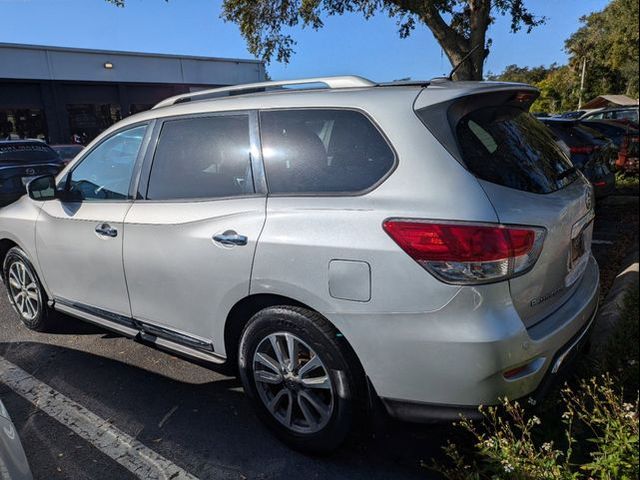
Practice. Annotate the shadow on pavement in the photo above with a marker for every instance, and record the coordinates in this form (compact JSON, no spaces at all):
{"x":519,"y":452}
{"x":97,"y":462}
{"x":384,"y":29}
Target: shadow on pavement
{"x":213,"y":432}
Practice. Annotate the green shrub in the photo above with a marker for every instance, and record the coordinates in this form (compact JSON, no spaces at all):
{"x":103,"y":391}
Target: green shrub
{"x":627,"y":180}
{"x":507,"y":444}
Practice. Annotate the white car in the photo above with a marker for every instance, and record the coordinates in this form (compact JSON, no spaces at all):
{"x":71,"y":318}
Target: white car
{"x":424,"y":246}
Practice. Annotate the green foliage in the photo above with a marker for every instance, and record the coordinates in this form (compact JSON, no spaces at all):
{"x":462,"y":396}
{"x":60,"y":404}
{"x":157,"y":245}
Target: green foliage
{"x":458,"y":25}
{"x":608,"y":40}
{"x":595,"y":436}
{"x":507,"y":444}
{"x":558,"y":85}
{"x":628,"y":181}
{"x":558,"y":91}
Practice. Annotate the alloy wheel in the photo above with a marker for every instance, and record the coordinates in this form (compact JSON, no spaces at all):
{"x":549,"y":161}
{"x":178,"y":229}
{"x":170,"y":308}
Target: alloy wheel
{"x":293,"y":383}
{"x":24,"y":290}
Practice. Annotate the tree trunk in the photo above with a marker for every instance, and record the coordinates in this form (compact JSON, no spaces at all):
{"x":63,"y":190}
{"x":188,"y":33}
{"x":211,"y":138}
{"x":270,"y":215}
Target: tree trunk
{"x":455,"y":45}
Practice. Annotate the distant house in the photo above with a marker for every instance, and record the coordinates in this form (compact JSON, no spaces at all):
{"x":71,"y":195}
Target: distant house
{"x":610,"y":101}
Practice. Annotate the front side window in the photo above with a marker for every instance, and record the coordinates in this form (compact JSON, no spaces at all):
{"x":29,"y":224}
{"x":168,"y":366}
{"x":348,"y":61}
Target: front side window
{"x":105,"y":173}
{"x":322,"y":151}
{"x":202,"y":157}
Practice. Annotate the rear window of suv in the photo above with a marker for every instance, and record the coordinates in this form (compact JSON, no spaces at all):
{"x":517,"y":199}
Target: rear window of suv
{"x":322,"y":151}
{"x":508,"y":146}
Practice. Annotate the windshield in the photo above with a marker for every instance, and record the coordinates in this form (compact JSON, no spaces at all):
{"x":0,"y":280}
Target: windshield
{"x":508,"y":146}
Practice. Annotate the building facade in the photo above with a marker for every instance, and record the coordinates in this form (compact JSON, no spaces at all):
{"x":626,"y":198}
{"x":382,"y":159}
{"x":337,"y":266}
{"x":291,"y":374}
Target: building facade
{"x":66,"y":94}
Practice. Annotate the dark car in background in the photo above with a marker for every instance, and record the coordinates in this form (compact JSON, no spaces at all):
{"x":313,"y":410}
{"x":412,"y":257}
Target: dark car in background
{"x":67,"y":152}
{"x":625,"y":138}
{"x":629,"y":114}
{"x":591,"y":152}
{"x":573,"y":114}
{"x":20,"y":162}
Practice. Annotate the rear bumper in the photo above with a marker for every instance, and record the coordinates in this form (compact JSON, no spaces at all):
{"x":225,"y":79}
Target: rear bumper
{"x":560,"y":364}
{"x":433,"y":366}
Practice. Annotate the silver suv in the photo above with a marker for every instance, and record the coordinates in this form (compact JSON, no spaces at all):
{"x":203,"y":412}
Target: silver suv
{"x":421,"y":246}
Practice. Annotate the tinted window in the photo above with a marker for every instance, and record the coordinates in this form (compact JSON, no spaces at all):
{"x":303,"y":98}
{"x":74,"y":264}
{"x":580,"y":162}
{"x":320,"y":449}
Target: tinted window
{"x":26,"y":152}
{"x":508,"y":146}
{"x":105,"y":173}
{"x":322,"y":151}
{"x":627,"y":115}
{"x":203,"y":157}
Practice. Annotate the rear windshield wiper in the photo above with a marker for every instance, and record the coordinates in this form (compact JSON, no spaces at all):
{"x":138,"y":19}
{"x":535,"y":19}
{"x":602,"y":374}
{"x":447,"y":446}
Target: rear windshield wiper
{"x":567,"y":172}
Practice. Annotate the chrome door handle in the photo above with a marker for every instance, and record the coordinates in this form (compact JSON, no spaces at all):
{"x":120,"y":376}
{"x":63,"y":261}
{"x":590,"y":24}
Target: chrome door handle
{"x":230,"y":238}
{"x":106,"y":230}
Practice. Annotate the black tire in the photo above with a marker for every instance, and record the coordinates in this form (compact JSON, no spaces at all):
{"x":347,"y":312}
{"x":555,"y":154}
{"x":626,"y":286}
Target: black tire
{"x":344,"y":371}
{"x":40,"y":315}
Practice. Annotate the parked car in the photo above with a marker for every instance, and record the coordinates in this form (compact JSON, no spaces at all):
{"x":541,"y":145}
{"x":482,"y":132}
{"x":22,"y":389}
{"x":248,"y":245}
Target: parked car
{"x":424,"y":247}
{"x":13,"y":462}
{"x":573,"y":114}
{"x":625,"y":113}
{"x":20,"y":162}
{"x":624,"y":137}
{"x":67,"y":152}
{"x":591,"y":152}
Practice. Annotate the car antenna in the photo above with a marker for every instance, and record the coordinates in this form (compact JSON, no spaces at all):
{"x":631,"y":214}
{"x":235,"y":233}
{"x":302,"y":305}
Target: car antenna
{"x":464,"y":59}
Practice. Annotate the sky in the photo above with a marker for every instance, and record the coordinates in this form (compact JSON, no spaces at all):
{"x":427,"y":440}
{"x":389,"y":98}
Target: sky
{"x":346,"y":45}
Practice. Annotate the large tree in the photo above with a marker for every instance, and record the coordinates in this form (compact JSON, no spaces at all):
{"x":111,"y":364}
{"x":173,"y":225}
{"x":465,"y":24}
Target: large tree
{"x":608,"y":42}
{"x":459,"y":26}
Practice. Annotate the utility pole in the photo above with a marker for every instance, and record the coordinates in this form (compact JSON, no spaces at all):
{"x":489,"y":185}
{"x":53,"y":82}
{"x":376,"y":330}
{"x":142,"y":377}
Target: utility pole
{"x":584,"y":71}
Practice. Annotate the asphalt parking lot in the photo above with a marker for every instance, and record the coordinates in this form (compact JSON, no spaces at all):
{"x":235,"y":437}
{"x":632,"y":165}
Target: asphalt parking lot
{"x":191,"y":421}
{"x":195,"y":418}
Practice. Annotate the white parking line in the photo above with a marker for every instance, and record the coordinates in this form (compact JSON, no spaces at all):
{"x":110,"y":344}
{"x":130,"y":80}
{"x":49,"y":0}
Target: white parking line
{"x":124,"y":449}
{"x":601,"y":242}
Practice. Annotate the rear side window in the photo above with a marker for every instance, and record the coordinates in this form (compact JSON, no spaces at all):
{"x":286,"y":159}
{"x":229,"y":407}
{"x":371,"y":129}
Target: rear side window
{"x":322,"y":151}
{"x":203,"y":157}
{"x":26,"y":152}
{"x":508,"y":146}
{"x":627,"y":115}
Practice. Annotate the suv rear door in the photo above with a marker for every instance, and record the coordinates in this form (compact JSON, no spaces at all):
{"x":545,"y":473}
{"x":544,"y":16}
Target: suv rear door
{"x":191,"y":234}
{"x":529,"y":181}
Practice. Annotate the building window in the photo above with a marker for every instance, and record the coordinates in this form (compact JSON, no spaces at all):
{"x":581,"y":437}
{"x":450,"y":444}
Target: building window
{"x":87,"y":121}
{"x":20,"y":123}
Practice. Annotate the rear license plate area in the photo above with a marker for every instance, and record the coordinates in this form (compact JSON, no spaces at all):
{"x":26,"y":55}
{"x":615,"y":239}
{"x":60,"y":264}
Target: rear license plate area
{"x":578,"y":248}
{"x":579,"y":254}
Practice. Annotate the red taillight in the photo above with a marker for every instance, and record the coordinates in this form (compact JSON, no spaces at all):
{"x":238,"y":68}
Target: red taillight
{"x":599,"y":184}
{"x":514,"y":372}
{"x":587,"y":149}
{"x":467,"y":253}
{"x":459,"y":243}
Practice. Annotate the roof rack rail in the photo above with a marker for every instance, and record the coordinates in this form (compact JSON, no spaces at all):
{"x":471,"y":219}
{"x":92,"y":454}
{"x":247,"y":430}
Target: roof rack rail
{"x":347,"y":81}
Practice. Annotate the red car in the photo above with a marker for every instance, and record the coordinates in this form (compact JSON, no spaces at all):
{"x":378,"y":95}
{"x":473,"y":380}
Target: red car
{"x":625,"y":138}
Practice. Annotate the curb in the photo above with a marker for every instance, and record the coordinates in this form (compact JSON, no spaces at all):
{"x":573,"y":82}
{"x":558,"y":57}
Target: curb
{"x":611,"y":308}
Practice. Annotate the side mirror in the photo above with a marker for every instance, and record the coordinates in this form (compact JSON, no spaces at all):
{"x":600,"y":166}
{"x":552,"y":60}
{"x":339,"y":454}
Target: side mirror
{"x":42,"y":188}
